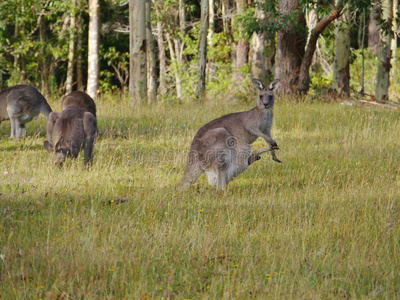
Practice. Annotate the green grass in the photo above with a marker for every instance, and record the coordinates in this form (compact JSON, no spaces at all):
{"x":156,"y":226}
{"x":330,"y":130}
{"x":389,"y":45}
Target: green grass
{"x":322,"y":225}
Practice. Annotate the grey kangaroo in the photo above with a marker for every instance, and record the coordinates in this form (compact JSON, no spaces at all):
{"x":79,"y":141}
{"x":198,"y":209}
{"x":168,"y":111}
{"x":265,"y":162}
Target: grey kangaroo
{"x":221,"y":148}
{"x":79,"y":99}
{"x":21,"y":104}
{"x":69,"y":132}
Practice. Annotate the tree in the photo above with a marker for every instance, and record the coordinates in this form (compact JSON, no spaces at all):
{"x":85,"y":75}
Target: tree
{"x":242,"y":47}
{"x":291,"y":42}
{"x":373,"y":28}
{"x":341,"y":62}
{"x":226,"y":19}
{"x":395,"y":28}
{"x":71,"y":49}
{"x":211,"y":25}
{"x":172,"y":16}
{"x":202,"y":51}
{"x":151,"y":57}
{"x":162,"y":59}
{"x":262,"y":49}
{"x":382,"y":75}
{"x":139,"y":53}
{"x":93,"y":55}
{"x":294,"y":53}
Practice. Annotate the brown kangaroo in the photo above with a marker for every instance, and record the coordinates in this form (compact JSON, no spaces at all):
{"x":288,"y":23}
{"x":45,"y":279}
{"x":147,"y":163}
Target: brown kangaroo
{"x":21,"y":104}
{"x":221,"y":148}
{"x":79,"y":99}
{"x":69,"y":132}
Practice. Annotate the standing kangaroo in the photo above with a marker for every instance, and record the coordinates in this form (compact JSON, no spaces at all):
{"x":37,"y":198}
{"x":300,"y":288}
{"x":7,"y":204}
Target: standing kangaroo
{"x":20,"y":104}
{"x":79,"y":99}
{"x":69,"y":132}
{"x":221,"y":148}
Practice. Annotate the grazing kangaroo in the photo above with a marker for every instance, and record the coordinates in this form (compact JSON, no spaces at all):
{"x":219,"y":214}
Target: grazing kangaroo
{"x":79,"y":99}
{"x":21,"y":104}
{"x":221,"y":148}
{"x":69,"y":132}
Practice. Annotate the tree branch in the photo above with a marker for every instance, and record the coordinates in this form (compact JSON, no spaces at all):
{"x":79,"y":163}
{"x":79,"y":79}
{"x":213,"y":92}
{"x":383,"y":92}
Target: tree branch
{"x":41,"y":14}
{"x":304,"y":81}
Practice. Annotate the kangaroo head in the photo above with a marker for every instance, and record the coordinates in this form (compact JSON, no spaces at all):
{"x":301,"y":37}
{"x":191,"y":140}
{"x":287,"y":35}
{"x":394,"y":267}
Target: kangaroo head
{"x":265,"y":97}
{"x":60,"y":151}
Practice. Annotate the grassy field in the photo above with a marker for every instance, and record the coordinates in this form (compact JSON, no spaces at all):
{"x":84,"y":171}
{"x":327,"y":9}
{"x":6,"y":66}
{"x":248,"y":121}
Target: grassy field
{"x":324,"y":224}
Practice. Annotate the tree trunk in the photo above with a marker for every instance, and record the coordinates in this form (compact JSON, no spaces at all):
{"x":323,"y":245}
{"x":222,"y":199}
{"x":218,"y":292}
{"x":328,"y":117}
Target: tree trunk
{"x":94,"y":40}
{"x":162,"y":59}
{"x":373,"y":29}
{"x":175,"y":70}
{"x":226,"y":20}
{"x":242,"y":47}
{"x":211,"y":17}
{"x":362,"y":41}
{"x":151,"y":57}
{"x":382,"y":76}
{"x":131,"y":46}
{"x":341,"y":70}
{"x":304,"y":78}
{"x":79,"y":46}
{"x":139,"y":53}
{"x":43,"y":60}
{"x":262,"y":51}
{"x":202,"y":52}
{"x":395,"y":28}
{"x":291,"y":43}
{"x":182,"y":16}
{"x":71,"y":49}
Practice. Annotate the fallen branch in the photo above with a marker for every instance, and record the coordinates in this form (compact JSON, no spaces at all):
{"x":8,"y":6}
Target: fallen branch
{"x":390,"y":105}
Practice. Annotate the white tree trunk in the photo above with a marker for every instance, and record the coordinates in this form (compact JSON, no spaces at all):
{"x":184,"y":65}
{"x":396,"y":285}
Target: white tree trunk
{"x":226,"y":19}
{"x":202,"y":54}
{"x":373,"y":29}
{"x":71,"y":50}
{"x":211,"y":17}
{"x":162,"y":59}
{"x":395,"y":29}
{"x":131,"y":59}
{"x":151,"y":57}
{"x":262,"y":51}
{"x":139,"y":55}
{"x":94,"y":40}
{"x":382,"y":75}
{"x":341,"y":62}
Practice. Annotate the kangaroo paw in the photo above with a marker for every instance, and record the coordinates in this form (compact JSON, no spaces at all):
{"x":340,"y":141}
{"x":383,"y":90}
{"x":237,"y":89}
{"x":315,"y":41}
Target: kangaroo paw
{"x":277,"y":160}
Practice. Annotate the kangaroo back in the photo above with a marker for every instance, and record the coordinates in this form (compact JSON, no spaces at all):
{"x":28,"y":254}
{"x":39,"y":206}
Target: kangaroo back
{"x":79,"y":99}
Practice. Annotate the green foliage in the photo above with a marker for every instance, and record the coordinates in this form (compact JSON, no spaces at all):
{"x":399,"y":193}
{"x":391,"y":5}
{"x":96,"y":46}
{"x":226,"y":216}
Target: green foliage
{"x":106,"y":82}
{"x":119,"y":61}
{"x":244,"y":25}
{"x":219,"y":49}
{"x":320,"y":83}
{"x":371,"y":64}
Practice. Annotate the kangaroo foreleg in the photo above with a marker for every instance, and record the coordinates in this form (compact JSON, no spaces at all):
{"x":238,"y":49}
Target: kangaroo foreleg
{"x":270,"y":142}
{"x":90,"y":128}
{"x":256,"y":155}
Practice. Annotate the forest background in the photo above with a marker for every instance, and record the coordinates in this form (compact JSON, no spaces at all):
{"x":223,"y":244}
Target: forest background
{"x":311,"y":46}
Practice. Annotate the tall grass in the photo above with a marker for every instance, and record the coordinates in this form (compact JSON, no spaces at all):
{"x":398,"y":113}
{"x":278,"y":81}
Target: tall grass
{"x":324,"y":224}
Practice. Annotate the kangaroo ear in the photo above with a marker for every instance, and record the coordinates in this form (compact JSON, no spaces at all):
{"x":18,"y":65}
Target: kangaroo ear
{"x":274,"y":85}
{"x":48,"y":146}
{"x":258,"y":84}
